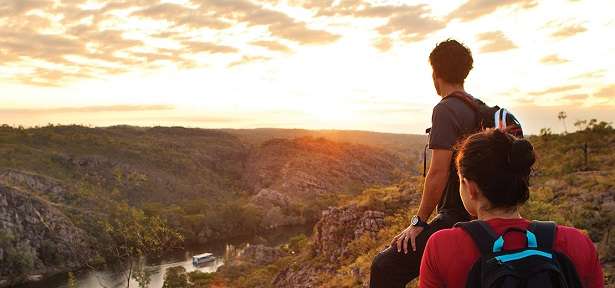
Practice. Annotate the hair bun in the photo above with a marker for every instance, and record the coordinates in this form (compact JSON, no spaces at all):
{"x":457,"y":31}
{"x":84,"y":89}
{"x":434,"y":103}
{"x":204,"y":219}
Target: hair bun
{"x":521,"y":156}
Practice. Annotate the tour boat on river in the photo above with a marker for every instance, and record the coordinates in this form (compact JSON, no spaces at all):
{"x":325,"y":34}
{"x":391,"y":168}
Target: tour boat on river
{"x":202,"y":258}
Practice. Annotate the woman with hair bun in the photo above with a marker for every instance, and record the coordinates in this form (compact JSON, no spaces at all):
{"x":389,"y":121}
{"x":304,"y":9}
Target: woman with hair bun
{"x":494,"y":172}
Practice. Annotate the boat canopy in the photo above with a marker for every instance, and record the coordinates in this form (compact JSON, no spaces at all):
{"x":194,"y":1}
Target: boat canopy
{"x":204,"y":255}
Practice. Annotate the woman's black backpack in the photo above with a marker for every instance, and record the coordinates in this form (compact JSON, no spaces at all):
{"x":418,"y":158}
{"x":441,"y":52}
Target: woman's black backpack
{"x":537,"y":265}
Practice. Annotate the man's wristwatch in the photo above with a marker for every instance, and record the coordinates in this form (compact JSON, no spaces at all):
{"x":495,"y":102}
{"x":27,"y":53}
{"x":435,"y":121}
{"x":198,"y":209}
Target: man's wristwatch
{"x":418,"y":222}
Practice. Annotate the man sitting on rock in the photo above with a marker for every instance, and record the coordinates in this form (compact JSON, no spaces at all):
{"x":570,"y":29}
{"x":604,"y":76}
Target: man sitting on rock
{"x":398,"y":264}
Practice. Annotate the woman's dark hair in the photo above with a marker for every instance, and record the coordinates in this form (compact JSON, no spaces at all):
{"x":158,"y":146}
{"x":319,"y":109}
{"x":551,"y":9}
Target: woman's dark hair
{"x":499,"y":164}
{"x":451,"y":61}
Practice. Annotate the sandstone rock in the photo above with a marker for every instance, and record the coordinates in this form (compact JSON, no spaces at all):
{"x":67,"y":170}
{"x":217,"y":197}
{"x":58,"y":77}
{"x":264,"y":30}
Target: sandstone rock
{"x":305,"y":168}
{"x":268,"y":198}
{"x":41,"y":185}
{"x":303,"y":277}
{"x":261,"y":254}
{"x":37,"y":233}
{"x":337,"y":227}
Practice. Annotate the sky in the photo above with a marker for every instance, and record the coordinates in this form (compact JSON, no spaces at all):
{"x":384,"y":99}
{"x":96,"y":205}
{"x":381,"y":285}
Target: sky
{"x":320,"y":64}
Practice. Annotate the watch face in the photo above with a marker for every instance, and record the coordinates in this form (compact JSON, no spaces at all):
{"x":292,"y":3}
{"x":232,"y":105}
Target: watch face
{"x":415,"y":220}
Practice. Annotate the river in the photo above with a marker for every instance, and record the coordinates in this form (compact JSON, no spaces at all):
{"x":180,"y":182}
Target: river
{"x":115,"y":277}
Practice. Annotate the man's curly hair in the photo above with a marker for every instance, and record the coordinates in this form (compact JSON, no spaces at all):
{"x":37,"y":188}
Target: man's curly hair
{"x":451,"y":61}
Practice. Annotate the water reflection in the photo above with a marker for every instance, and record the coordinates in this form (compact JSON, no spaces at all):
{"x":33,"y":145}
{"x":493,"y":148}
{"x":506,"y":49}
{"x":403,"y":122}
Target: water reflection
{"x":116,"y":277}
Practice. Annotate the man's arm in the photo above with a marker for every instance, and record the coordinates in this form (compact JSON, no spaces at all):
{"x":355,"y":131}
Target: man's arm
{"x":444,"y":133}
{"x":435,"y":182}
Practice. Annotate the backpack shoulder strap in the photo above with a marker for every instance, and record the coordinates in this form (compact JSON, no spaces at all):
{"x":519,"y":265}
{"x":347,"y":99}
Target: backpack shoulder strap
{"x":463,"y":97}
{"x":545,"y":233}
{"x":470,"y":103}
{"x":481,"y":233}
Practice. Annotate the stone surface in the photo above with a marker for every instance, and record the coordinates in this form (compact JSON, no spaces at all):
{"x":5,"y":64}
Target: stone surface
{"x":337,"y":227}
{"x":34,"y":229}
{"x":260,"y":254}
{"x":305,"y":168}
{"x":340,"y":226}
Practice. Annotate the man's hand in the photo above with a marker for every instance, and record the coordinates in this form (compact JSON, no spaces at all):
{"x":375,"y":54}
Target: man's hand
{"x":401,"y":240}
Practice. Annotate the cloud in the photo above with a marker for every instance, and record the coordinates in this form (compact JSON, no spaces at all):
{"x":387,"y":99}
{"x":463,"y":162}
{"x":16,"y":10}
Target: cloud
{"x":21,"y":7}
{"x":90,"y":109}
{"x":56,"y":42}
{"x":569,"y":30}
{"x":590,"y":75}
{"x":413,"y":22}
{"x":182,"y":15}
{"x":198,"y":47}
{"x":575,"y":97}
{"x":494,"y":41}
{"x":383,"y":44}
{"x":557,"y":89}
{"x":278,"y":23}
{"x":298,"y":32}
{"x":272,"y":45}
{"x":51,"y":77}
{"x":552,"y":59}
{"x":606,"y":92}
{"x":474,"y":9}
{"x":248,"y":59}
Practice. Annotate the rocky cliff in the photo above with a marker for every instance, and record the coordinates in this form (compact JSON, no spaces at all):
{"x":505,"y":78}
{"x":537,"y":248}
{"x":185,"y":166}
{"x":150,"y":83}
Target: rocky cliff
{"x":307,"y":171}
{"x":204,"y":183}
{"x":308,"y":167}
{"x":337,"y":228}
{"x":36,"y":238}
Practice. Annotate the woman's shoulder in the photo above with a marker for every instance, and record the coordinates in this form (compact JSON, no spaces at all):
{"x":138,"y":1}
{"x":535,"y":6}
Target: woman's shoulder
{"x":567,"y":233}
{"x":450,"y":235}
{"x":572,"y":238}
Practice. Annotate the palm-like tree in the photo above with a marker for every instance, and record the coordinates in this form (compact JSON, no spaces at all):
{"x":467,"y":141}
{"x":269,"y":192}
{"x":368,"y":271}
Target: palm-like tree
{"x":562,"y":116}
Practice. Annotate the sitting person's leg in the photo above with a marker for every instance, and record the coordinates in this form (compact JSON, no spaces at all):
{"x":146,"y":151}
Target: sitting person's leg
{"x":395,"y":269}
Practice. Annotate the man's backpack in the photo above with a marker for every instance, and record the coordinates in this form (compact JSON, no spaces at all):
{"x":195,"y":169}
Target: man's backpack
{"x":486,"y":117}
{"x":491,"y":117}
{"x":537,"y":265}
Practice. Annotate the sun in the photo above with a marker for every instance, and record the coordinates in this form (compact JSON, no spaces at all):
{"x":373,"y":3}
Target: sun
{"x":332,"y":113}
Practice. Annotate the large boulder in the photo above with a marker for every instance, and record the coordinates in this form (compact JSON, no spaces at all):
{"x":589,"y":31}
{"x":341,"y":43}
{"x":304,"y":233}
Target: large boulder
{"x":340,"y":226}
{"x":261,"y":254}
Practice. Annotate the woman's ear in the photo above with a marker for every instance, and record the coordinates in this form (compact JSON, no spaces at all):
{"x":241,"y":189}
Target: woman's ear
{"x":472,"y":189}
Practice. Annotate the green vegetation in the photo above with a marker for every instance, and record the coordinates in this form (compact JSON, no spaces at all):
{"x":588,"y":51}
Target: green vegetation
{"x":18,"y":257}
{"x":564,"y":189}
{"x":141,"y":191}
{"x":176,"y":277}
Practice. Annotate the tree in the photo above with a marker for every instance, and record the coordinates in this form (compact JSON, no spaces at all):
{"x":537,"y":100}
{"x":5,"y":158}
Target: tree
{"x":562,"y":116}
{"x":579,"y":124}
{"x":134,"y":236}
{"x":545,"y":132}
{"x":176,"y":277}
{"x":142,"y":276}
{"x":72,"y":281}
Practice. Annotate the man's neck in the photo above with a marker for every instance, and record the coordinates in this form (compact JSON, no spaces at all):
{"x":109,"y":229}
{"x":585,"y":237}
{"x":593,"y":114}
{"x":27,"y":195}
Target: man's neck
{"x":447,"y":89}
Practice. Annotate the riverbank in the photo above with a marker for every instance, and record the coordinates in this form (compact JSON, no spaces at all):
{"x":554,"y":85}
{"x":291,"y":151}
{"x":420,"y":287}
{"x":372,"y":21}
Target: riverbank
{"x":115,"y":275}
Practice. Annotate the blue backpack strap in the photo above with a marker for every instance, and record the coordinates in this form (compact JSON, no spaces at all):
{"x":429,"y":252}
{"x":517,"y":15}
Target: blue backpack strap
{"x":545,"y":232}
{"x":484,"y":237}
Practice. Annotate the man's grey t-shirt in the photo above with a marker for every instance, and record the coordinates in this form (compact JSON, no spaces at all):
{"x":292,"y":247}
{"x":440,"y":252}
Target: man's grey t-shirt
{"x":452,"y":119}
